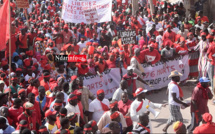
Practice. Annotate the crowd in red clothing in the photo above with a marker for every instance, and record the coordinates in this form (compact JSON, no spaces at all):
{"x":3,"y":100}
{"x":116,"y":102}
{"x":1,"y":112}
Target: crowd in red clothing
{"x":42,"y":92}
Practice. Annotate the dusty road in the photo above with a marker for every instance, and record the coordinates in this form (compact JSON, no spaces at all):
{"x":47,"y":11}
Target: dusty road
{"x":161,"y":97}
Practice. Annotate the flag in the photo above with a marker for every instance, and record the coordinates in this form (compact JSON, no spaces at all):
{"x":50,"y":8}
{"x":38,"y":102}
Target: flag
{"x":4,"y":24}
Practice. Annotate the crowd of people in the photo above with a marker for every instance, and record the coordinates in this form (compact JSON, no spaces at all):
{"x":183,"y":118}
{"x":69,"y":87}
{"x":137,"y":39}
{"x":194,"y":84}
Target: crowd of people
{"x":45,"y":96}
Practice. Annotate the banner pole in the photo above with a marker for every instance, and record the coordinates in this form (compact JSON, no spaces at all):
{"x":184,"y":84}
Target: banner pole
{"x":9,"y":49}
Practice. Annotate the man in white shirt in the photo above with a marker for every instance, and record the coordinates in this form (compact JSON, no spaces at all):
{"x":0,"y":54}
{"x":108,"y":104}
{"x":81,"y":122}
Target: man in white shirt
{"x":159,"y":38}
{"x":82,"y":44}
{"x":137,"y":106}
{"x":175,"y":95}
{"x":72,"y":106}
{"x":98,"y":106}
{"x":117,"y":94}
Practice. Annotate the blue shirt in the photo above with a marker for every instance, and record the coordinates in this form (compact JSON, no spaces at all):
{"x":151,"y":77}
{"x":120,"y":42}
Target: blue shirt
{"x":9,"y":130}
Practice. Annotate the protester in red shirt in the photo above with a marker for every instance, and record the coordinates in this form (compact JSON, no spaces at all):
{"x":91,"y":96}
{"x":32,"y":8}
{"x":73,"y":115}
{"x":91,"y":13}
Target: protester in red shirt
{"x":28,"y":116}
{"x":101,"y":65}
{"x":66,"y":34}
{"x":83,"y":68}
{"x":182,"y":48}
{"x":23,"y":41}
{"x":169,"y":34}
{"x":124,"y":108}
{"x":111,"y":63}
{"x":44,"y":82}
{"x":15,"y":110}
{"x":36,"y":84}
{"x":151,"y":55}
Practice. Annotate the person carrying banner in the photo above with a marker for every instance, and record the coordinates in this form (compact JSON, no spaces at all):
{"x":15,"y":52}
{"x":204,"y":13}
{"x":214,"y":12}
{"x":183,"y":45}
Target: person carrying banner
{"x":175,"y":99}
{"x":131,"y":78}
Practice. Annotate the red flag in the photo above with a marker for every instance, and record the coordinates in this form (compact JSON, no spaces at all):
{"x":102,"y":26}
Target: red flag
{"x":4,"y":24}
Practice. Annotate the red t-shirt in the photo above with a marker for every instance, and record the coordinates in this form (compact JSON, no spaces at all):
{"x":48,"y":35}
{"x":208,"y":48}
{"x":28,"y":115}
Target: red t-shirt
{"x":29,"y":89}
{"x":76,"y":48}
{"x":66,"y":36}
{"x":150,"y":56}
{"x":51,"y":10}
{"x":31,"y":120}
{"x":35,"y":91}
{"x":111,"y":64}
{"x":58,"y":40}
{"x":23,"y":40}
{"x":14,"y":113}
{"x":101,"y":67}
{"x":211,"y":52}
{"x":45,"y":84}
{"x":124,"y":108}
{"x":82,"y":71}
{"x":182,"y":50}
{"x":201,"y":103}
{"x":131,"y":80}
{"x":205,"y":129}
{"x":170,"y":36}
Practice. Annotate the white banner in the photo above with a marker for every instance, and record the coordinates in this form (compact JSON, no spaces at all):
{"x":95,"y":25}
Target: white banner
{"x":73,"y":10}
{"x":157,"y":75}
{"x":91,"y":16}
{"x":109,"y":82}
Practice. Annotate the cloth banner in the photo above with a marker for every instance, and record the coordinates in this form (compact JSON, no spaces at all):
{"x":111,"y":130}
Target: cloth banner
{"x":109,"y":82}
{"x":157,"y":75}
{"x":73,"y":10}
{"x":91,"y":15}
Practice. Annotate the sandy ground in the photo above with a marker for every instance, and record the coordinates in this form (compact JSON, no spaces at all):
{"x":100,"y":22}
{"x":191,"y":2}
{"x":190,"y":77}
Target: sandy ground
{"x":161,"y":97}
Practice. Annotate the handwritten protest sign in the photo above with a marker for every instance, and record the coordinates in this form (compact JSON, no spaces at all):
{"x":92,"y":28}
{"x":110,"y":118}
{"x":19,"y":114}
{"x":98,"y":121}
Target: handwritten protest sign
{"x":22,"y":3}
{"x":128,"y":37}
{"x":91,"y":15}
{"x":73,"y":10}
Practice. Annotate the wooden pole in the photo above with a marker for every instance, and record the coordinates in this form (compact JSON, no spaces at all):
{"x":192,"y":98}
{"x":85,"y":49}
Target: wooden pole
{"x":134,"y":6}
{"x":9,"y":49}
{"x":152,"y":10}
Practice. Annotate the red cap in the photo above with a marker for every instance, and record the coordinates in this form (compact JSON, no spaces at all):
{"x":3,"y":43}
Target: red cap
{"x":77,"y":92}
{"x":47,"y":67}
{"x":100,"y":91}
{"x":203,"y":34}
{"x":88,"y":43}
{"x":207,"y":117}
{"x":168,"y":26}
{"x":18,"y":70}
{"x":190,"y":33}
{"x":27,"y":62}
{"x":21,"y":91}
{"x":29,"y":53}
{"x":95,"y":43}
{"x":49,"y":113}
{"x":210,"y":37}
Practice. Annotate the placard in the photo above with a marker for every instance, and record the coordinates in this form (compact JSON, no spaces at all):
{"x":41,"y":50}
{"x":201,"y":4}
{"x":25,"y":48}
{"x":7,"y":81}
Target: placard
{"x":128,"y":37}
{"x":22,"y":3}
